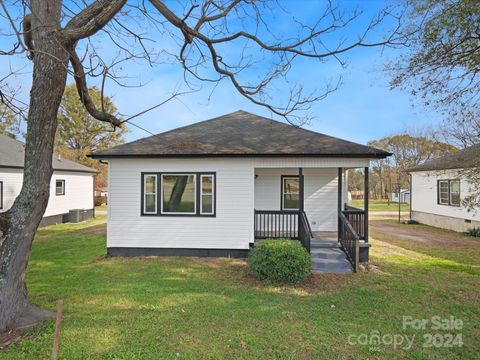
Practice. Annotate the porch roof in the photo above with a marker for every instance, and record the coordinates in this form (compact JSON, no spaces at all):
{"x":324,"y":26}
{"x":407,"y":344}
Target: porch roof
{"x":241,"y":134}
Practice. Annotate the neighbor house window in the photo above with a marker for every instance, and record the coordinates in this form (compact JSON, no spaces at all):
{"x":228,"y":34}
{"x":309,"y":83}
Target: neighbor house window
{"x":449,"y":192}
{"x":290,"y":193}
{"x":189,"y":194}
{"x":443,"y":192}
{"x":455,"y":192}
{"x":60,"y":187}
{"x":150,"y":194}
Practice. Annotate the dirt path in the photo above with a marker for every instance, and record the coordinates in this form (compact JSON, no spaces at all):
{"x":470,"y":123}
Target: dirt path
{"x":95,"y":230}
{"x":383,"y":215}
{"x":421,"y":234}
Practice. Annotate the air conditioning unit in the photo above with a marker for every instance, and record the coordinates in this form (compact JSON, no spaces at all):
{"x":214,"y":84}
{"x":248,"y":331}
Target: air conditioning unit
{"x":76,"y":215}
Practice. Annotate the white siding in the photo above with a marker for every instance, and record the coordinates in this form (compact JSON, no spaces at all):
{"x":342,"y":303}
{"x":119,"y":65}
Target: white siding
{"x":12,"y":184}
{"x":232,"y":228}
{"x":78,"y":191}
{"x":321,"y":191}
{"x":424,"y":195}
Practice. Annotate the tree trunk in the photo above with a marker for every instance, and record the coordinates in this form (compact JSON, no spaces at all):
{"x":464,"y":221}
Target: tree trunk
{"x":177,"y":193}
{"x":19,"y":224}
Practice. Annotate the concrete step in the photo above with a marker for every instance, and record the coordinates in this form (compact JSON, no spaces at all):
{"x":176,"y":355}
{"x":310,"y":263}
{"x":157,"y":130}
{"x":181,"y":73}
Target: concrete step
{"x":327,"y":253}
{"x":330,"y":260}
{"x":332,"y":271}
{"x":324,"y":244}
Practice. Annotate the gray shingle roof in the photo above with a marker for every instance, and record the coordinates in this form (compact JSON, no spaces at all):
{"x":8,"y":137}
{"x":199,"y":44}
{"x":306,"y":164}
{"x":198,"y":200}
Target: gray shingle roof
{"x":12,"y":153}
{"x":463,"y":159}
{"x":240,"y":134}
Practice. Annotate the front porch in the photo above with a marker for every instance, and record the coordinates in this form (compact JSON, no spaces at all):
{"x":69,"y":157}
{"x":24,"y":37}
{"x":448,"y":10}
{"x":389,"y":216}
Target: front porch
{"x":336,"y":245}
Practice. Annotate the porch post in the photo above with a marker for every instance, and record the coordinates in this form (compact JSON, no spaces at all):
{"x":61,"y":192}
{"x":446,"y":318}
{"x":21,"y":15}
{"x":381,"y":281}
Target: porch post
{"x":301,"y":205}
{"x":365,"y":204}
{"x":339,"y":207}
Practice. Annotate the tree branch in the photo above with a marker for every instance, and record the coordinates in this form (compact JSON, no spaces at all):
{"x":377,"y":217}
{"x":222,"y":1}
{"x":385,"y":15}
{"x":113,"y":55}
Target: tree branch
{"x":92,"y":19}
{"x":82,"y":88}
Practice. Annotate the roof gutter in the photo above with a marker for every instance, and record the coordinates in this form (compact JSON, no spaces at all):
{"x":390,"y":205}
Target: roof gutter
{"x":153,"y":156}
{"x":68,"y":170}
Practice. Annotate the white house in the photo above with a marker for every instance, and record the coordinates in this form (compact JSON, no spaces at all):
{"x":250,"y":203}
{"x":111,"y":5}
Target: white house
{"x":438,"y":188}
{"x":215,"y":187}
{"x":71,"y":187}
{"x":404,"y":196}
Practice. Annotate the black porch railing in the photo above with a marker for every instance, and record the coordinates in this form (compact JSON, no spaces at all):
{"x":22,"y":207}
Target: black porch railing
{"x":349,"y":240}
{"x":356,"y":218}
{"x":304,"y":231}
{"x":276,"y":224}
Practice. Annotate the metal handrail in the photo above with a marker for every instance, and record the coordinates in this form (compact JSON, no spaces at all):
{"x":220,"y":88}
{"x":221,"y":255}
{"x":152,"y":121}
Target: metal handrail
{"x":349,"y":240}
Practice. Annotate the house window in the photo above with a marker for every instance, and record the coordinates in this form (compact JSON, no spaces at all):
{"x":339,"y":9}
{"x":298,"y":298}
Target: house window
{"x":150,"y":194}
{"x":443,"y":192}
{"x":179,"y":194}
{"x":449,"y":192}
{"x":206,"y":195}
{"x":60,"y":187}
{"x":290,"y":193}
{"x":1,"y":194}
{"x":455,"y":192}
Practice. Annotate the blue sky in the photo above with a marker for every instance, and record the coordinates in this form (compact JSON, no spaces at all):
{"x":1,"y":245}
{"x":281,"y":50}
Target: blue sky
{"x":363,"y":108}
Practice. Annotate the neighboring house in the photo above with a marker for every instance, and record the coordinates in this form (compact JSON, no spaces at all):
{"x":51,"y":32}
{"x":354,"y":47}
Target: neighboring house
{"x":215,"y":187}
{"x":102,"y":191}
{"x":438,"y":188}
{"x":71,"y":187}
{"x":404,"y":196}
{"x":357,"y":194}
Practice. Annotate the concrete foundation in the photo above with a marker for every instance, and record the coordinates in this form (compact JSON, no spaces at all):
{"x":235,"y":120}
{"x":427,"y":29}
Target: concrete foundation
{"x":444,"y":222}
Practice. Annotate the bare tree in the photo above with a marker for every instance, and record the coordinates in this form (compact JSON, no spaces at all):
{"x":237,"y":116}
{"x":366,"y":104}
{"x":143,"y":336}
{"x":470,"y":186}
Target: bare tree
{"x":61,"y":40}
{"x":409,"y":148}
{"x":441,"y":63}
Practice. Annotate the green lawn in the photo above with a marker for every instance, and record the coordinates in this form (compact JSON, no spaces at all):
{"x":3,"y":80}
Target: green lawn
{"x":379,"y":205}
{"x":103,"y":207}
{"x":186,"y":308}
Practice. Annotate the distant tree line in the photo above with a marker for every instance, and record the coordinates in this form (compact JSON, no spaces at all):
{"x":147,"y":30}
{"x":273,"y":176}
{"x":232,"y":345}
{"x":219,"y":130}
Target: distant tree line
{"x":408,"y":150}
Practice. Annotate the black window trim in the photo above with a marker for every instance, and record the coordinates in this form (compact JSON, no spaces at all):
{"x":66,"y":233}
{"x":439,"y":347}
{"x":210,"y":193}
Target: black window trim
{"x":63,"y":187}
{"x":448,"y":181}
{"x":144,"y":194}
{"x":200,"y":190}
{"x":1,"y":195}
{"x":281,"y":191}
{"x":197,"y":174}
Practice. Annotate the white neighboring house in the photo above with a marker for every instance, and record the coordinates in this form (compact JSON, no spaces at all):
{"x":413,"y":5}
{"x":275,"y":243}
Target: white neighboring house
{"x":215,"y":187}
{"x":404,"y":196}
{"x":71,"y":187}
{"x":438,"y":187}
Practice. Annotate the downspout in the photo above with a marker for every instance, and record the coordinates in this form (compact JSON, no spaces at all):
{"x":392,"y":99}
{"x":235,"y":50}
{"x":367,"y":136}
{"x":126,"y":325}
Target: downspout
{"x":411,"y":197}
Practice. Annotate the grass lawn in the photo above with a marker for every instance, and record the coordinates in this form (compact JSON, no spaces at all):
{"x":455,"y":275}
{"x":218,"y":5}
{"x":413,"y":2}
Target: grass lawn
{"x":379,"y":205}
{"x":103,"y":207}
{"x":177,"y":308}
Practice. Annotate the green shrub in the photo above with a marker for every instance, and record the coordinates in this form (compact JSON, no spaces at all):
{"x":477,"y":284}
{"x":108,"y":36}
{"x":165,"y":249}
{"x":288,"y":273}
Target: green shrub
{"x":474,"y":232}
{"x":280,"y":260}
{"x":100,"y":200}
